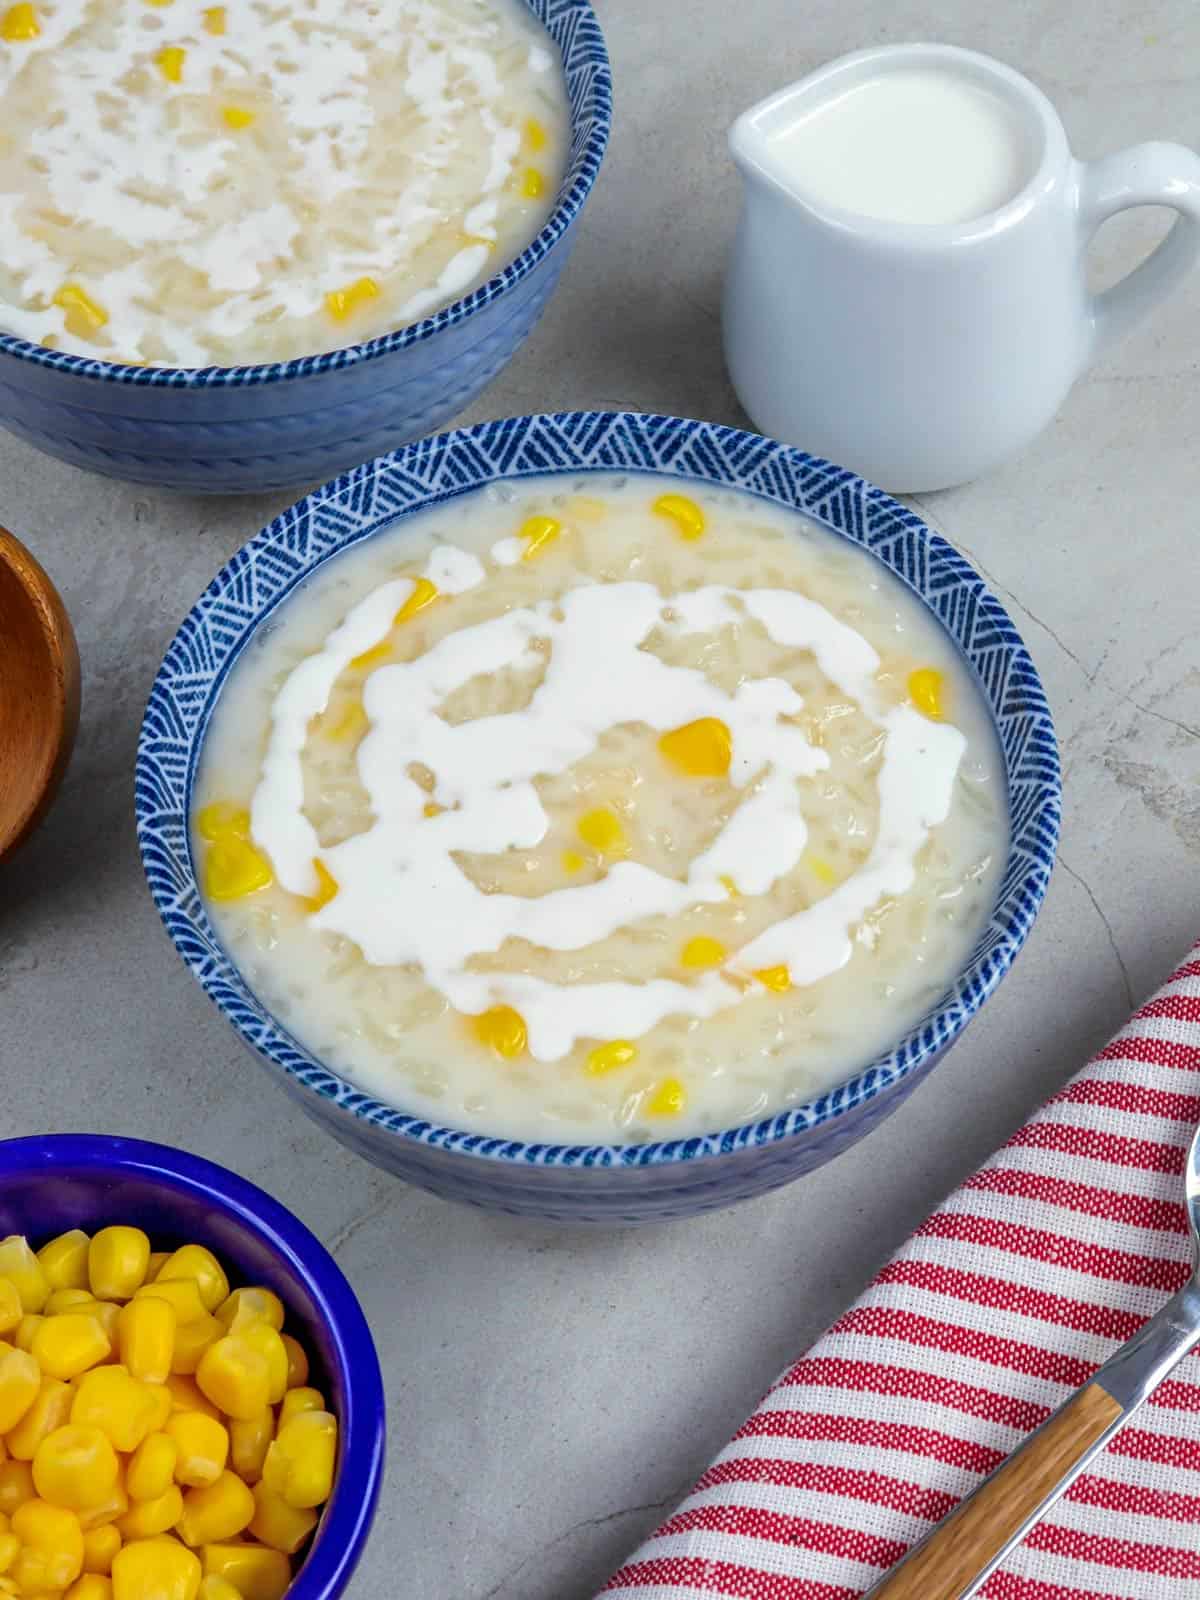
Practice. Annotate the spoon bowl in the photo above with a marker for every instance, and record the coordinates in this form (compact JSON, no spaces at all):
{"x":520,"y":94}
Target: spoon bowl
{"x":39,"y":692}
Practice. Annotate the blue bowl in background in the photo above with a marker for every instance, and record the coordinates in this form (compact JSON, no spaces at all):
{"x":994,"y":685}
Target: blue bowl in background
{"x":606,"y":1184}
{"x":224,"y":430}
{"x":88,"y":1181}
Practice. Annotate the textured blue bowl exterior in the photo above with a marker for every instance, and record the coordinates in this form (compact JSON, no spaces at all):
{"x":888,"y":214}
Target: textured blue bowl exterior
{"x":608,"y":1184}
{"x":225,"y":430}
{"x":88,"y":1181}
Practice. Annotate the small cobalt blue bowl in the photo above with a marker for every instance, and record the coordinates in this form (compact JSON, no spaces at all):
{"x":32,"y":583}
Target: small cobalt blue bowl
{"x":84,"y":1180}
{"x":605,"y":1184}
{"x":278,"y":425}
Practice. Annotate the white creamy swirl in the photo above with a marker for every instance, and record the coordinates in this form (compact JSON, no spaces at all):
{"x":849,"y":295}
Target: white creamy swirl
{"x":403,"y":898}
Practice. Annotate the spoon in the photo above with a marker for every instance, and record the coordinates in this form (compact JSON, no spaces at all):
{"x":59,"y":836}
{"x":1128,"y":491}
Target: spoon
{"x":39,"y":692}
{"x":962,"y":1552}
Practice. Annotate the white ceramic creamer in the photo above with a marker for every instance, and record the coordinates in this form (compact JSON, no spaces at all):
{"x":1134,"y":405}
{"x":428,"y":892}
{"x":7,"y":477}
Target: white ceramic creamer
{"x":908,"y":289}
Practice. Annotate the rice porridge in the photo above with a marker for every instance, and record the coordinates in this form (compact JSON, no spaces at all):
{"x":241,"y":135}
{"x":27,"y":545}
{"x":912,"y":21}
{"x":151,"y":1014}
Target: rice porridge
{"x":600,"y":809}
{"x":189,"y":184}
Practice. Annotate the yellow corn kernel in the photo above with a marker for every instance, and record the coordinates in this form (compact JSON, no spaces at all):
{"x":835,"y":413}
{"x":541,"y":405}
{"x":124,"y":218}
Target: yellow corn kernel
{"x":51,"y":1547}
{"x":342,"y":303}
{"x":146,"y":1519}
{"x":297,"y":1400}
{"x":730,"y":888}
{"x":20,"y":1381}
{"x":75,"y":1467}
{"x":702,"y":748}
{"x":169,"y":62}
{"x":84,"y":316}
{"x":117,"y":1262}
{"x":278,"y":1524}
{"x":372,"y":658}
{"x":535,"y":134}
{"x":668,"y":1099}
{"x":703,"y":952}
{"x":16,"y":1485}
{"x":159,"y":1258}
{"x":572,"y":861}
{"x":146,"y":1338}
{"x":238,"y":117}
{"x":300,"y":1462}
{"x":603,"y":831}
{"x":214,"y":19}
{"x":424,"y":593}
{"x":537,"y":533}
{"x":50,"y":1410}
{"x":327,"y":886}
{"x":64,"y":1260}
{"x":233,"y":869}
{"x":151,"y":1468}
{"x":182,"y":1294}
{"x":107,"y":1513}
{"x":532,"y":183}
{"x":161,"y":1404}
{"x":609,"y":1057}
{"x":100,"y":1545}
{"x":217,"y":1512}
{"x":217,"y":821}
{"x":26,"y":1328}
{"x":778,"y":979}
{"x":256,"y":1573}
{"x":432,"y":809}
{"x":10,"y":1306}
{"x":925,"y":692}
{"x":820,"y":868}
{"x":109,"y":1399}
{"x":19,"y":22}
{"x":502,"y":1030}
{"x":107,"y":1313}
{"x":214,"y":1588}
{"x":297,"y":1361}
{"x":18,"y":1262}
{"x":244,"y":1306}
{"x":155,"y":1569}
{"x":185,"y":1396}
{"x":10,"y":1548}
{"x":265,"y":1339}
{"x":68,"y":1344}
{"x":91,"y":1586}
{"x":250,"y":1439}
{"x":202,"y":1446}
{"x":235,"y":1375}
{"x":192,"y":1339}
{"x":683,"y":512}
{"x":352,"y":723}
{"x":196,"y":1261}
{"x":68,"y":1300}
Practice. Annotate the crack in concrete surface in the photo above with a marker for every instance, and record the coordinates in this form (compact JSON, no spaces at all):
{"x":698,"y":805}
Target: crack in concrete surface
{"x":1112,"y":938}
{"x":568,"y":1533}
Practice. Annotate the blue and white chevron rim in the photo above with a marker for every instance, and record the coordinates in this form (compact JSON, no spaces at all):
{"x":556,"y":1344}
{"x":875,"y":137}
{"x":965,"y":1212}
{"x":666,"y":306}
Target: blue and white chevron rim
{"x":370,"y":498}
{"x":574,"y":29}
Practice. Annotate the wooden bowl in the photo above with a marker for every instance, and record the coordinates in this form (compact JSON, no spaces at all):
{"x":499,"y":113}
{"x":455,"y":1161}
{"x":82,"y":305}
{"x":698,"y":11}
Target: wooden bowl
{"x":39,"y":692}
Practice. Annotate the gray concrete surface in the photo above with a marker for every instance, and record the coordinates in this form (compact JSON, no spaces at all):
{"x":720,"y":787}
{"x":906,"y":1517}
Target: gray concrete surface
{"x":552,"y":1395}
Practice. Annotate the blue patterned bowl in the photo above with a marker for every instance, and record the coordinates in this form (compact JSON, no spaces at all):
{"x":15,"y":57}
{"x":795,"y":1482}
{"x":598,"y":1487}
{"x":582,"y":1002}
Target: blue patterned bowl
{"x":610,"y":1184}
{"x":222,"y":430}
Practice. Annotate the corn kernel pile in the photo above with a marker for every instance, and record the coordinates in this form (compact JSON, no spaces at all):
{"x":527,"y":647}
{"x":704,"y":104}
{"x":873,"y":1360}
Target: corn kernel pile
{"x":159,"y":1437}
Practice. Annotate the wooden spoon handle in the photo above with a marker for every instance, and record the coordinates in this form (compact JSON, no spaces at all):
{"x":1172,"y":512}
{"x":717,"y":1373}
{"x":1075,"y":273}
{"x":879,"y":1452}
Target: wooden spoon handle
{"x":977,"y":1531}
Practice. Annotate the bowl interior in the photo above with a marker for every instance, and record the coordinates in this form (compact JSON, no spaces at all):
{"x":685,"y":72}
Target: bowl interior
{"x":355,"y":507}
{"x":51,"y":1184}
{"x":574,"y":28}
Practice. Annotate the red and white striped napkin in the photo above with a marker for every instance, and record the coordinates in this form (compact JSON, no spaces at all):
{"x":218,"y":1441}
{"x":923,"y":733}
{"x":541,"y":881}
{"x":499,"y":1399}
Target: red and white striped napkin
{"x":1006,"y":1300}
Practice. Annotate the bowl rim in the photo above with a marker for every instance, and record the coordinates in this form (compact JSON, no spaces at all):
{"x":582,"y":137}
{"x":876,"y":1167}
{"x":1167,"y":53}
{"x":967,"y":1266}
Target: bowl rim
{"x":350,"y":1511}
{"x":580,"y":176}
{"x":700,"y":452}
